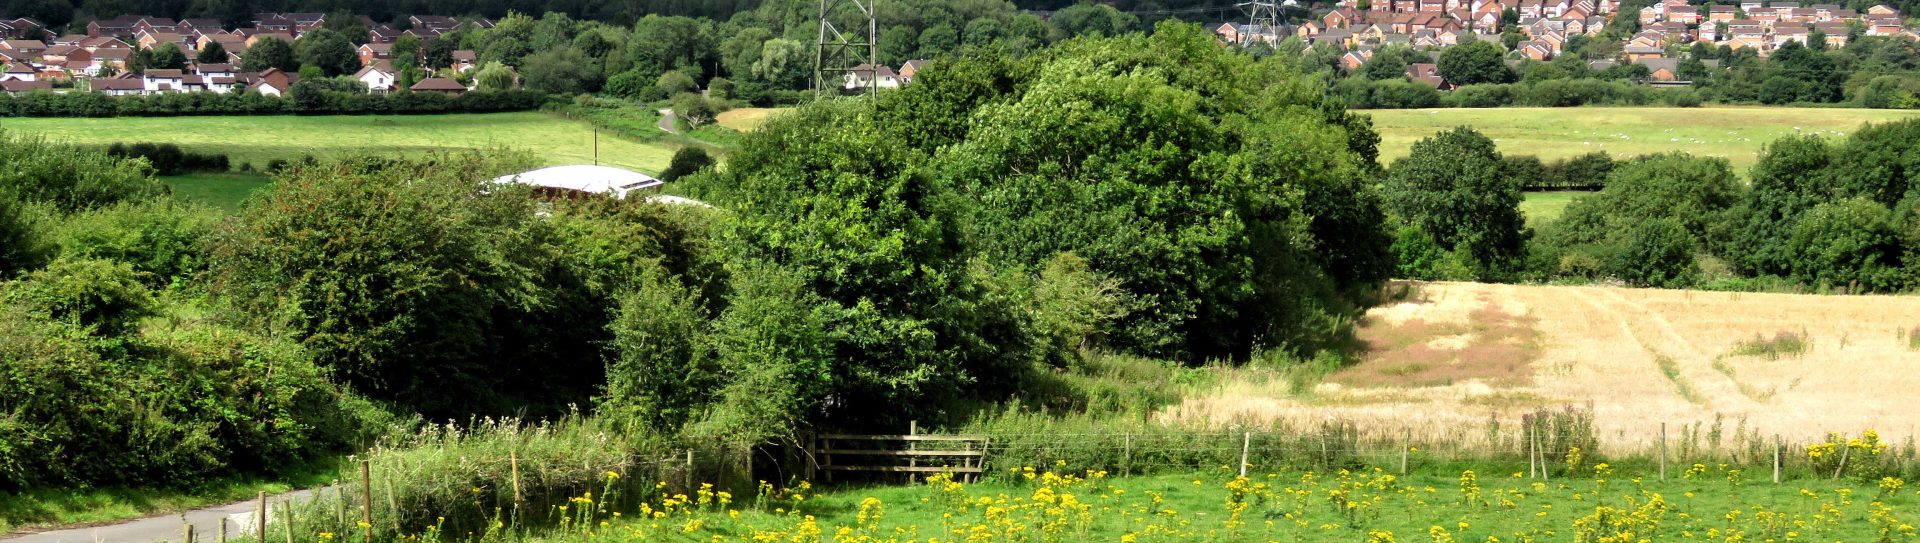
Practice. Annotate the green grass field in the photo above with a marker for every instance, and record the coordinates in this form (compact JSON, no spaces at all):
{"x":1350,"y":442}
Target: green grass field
{"x":256,"y":140}
{"x":1735,"y":133}
{"x":224,"y":191}
{"x":1546,"y":206}
{"x":1366,"y":505}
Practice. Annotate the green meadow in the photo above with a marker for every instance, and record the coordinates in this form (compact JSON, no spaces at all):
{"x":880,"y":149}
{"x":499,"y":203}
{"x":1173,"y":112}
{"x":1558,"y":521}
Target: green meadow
{"x":258,"y":139}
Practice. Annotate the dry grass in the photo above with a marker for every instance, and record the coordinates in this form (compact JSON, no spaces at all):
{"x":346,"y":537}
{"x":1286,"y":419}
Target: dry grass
{"x":746,"y":119}
{"x":1639,"y":357}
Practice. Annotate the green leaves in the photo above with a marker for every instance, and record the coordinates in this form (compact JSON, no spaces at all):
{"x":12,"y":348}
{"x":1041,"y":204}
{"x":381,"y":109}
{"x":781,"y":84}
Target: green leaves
{"x":1453,"y":186}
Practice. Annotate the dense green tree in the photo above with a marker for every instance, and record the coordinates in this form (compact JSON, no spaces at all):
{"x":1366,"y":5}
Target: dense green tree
{"x":439,"y":53}
{"x":686,"y":161}
{"x":662,"y":43}
{"x":1092,"y":18}
{"x":1388,"y":62}
{"x":1789,"y":179}
{"x":508,"y":42}
{"x":212,"y":53}
{"x":561,"y":70}
{"x":784,"y":63}
{"x":1849,"y":243}
{"x":1655,"y":253}
{"x":329,"y":51}
{"x":1881,"y":162}
{"x":898,"y":44}
{"x":494,"y":77}
{"x":1474,"y":62}
{"x":407,"y":52}
{"x":740,"y":51}
{"x":938,"y":40}
{"x":982,"y":31}
{"x":1696,"y":191}
{"x":20,"y":246}
{"x":167,"y":57}
{"x":693,"y":109}
{"x":1451,"y":186}
{"x":347,"y":24}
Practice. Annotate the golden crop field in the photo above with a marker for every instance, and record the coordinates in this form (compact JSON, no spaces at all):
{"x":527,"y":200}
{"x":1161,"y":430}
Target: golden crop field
{"x":1453,"y":354}
{"x":1735,"y":133}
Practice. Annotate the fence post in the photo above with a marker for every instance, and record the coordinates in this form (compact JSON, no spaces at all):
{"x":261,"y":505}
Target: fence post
{"x":913,"y":429}
{"x":223,"y":529}
{"x":186,"y":530}
{"x":1246,"y":441}
{"x":1778,"y":454}
{"x":513,"y":463}
{"x":689,"y":470}
{"x":1406,"y":442}
{"x":1126,"y":457}
{"x":286,"y":506}
{"x":366,"y":498}
{"x":1546,"y":471}
{"x":260,"y":519}
{"x":1533,"y":452}
{"x":1663,"y":451}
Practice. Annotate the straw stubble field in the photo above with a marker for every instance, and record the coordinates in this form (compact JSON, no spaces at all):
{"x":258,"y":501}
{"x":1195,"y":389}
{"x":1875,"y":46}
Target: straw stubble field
{"x":1453,"y":355}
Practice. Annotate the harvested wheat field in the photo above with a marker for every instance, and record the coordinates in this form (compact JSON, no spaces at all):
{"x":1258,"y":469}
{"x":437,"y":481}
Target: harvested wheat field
{"x":1452,"y":356}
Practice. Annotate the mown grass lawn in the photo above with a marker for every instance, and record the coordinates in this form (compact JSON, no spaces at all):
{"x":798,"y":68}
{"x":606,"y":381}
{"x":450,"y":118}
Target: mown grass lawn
{"x":1735,"y":133}
{"x":258,"y":139}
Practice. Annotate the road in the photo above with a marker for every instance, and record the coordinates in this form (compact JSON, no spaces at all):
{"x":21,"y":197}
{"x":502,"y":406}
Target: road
{"x":206,"y":524}
{"x":666,"y":121}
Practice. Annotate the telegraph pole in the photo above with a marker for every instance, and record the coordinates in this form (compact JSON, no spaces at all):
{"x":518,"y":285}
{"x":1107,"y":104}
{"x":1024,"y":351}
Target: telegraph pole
{"x":835,"y":54}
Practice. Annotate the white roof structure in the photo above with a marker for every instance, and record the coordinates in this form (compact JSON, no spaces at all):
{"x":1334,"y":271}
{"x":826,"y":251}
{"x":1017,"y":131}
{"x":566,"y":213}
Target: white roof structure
{"x":669,"y":199}
{"x":585,"y":178}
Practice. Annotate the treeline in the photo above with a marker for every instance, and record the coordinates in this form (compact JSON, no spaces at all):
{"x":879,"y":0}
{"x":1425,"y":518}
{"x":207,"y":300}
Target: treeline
{"x":301,"y":100}
{"x":1818,"y":215}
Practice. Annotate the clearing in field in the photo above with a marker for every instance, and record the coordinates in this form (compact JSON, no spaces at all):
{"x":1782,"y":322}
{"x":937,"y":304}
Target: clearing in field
{"x":747,"y":119}
{"x":1453,"y":354}
{"x":258,"y":139}
{"x":1734,"y":133}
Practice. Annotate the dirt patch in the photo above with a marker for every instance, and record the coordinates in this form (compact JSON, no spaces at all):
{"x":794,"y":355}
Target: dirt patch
{"x":1442,"y":342}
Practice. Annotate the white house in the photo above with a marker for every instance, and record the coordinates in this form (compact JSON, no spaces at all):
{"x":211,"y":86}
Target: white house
{"x":19,"y":72}
{"x":866,"y":75}
{"x":163,"y":80}
{"x":378,"y":76}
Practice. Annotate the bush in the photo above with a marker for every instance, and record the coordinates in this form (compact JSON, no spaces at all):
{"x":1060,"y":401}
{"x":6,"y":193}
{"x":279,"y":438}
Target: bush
{"x":1656,"y":253}
{"x":316,"y":98}
{"x":1849,"y":243}
{"x":169,"y":159}
{"x":70,"y":178}
{"x":164,"y":240}
{"x":100,"y":296}
{"x":686,"y":161}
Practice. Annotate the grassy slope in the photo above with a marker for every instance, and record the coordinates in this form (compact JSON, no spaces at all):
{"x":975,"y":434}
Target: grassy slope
{"x":1736,"y":133}
{"x":256,"y":140}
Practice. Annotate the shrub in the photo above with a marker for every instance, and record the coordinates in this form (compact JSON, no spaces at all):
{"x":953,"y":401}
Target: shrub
{"x":70,"y":178}
{"x":1784,"y":343}
{"x":1656,"y":253}
{"x":101,"y":296}
{"x":169,"y":159}
{"x":164,"y":240}
{"x":686,"y":161}
{"x":1849,"y":243}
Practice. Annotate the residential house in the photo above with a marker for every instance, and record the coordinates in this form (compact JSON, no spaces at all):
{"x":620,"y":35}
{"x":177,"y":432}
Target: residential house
{"x":19,"y":72}
{"x":17,"y":88}
{"x":464,"y":60}
{"x":117,"y":26}
{"x":1882,"y":10}
{"x":153,"y":40}
{"x":22,"y":28}
{"x":121,"y":85}
{"x":1535,"y":49}
{"x":1791,"y":32}
{"x":378,"y":75}
{"x":1308,"y":29}
{"x":216,"y":70}
{"x":383,"y":34}
{"x":69,"y":57}
{"x":1635,"y":53}
{"x":254,"y":39}
{"x":372,"y":52}
{"x":1426,"y":72}
{"x":436,"y":23}
{"x":911,"y":69}
{"x":1721,"y":13}
{"x":161,"y":81}
{"x":1353,"y":60}
{"x":117,"y":58}
{"x":271,"y":82}
{"x":869,"y":75}
{"x":30,"y":47}
{"x":443,"y":85}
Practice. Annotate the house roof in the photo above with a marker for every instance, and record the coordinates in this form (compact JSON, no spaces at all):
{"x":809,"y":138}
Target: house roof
{"x":377,"y":66}
{"x":25,"y":86}
{"x":219,"y":68}
{"x":438,"y":84}
{"x":118,"y":84}
{"x":465,"y":55}
{"x":607,"y":180}
{"x":23,"y":45}
{"x":19,"y":69}
{"x":165,"y":74}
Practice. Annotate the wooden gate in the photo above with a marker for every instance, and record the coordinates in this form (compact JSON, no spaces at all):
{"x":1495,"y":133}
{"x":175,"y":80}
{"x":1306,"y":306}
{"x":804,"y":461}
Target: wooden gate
{"x":964,"y":456}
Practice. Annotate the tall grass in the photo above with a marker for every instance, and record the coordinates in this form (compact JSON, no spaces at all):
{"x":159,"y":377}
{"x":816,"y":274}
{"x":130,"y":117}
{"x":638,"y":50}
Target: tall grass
{"x":1782,"y":344}
{"x":461,"y":479}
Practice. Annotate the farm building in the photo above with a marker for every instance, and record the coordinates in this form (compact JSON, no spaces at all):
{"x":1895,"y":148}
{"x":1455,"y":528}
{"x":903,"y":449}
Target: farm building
{"x":582,"y":179}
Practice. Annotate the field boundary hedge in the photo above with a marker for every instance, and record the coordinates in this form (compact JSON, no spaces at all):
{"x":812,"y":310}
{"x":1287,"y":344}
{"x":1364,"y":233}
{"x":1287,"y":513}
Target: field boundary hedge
{"x":298,"y":102}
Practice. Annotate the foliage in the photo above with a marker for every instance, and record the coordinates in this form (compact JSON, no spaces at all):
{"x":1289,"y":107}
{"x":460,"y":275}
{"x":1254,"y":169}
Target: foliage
{"x":1473,"y":63}
{"x":35,"y":170}
{"x":1656,"y":253}
{"x":270,"y":53}
{"x":1848,"y":243}
{"x":169,"y":159}
{"x":1452,"y":186}
{"x":322,"y":98}
{"x":562,"y":70}
{"x":164,"y":241}
{"x":20,"y":244}
{"x":693,"y":109}
{"x":686,"y":161}
{"x":328,"y":50}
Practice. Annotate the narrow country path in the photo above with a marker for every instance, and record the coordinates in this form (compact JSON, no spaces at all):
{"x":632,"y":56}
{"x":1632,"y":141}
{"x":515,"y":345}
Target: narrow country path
{"x":206,"y":524}
{"x":666,"y":121}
